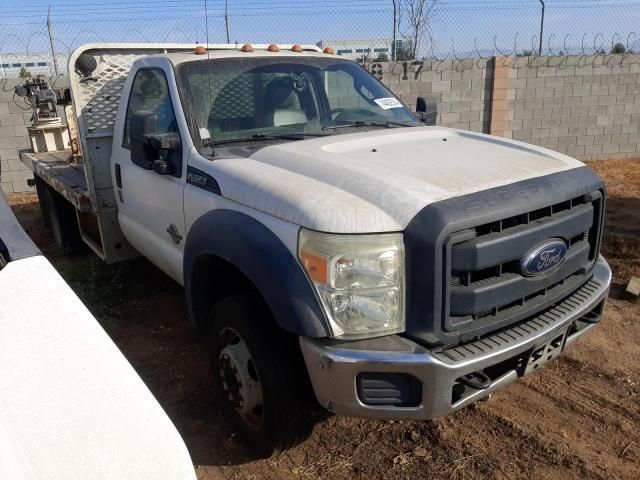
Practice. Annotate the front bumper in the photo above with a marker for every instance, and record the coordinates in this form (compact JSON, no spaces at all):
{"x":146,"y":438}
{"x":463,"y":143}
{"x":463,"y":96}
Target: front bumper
{"x":334,"y":366}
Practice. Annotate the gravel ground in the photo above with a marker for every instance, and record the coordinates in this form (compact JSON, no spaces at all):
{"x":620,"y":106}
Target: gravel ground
{"x":577,"y":418}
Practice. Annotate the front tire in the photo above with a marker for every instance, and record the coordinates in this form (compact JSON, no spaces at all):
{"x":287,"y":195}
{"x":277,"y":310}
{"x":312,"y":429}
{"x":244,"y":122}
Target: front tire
{"x":259,"y":375}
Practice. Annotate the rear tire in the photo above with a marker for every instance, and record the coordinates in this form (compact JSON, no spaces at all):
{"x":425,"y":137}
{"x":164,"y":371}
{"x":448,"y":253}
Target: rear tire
{"x":259,"y":375}
{"x":59,"y":216}
{"x":43,"y":199}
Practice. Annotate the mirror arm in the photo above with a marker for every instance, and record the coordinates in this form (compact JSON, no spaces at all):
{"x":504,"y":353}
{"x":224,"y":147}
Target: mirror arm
{"x":162,"y":167}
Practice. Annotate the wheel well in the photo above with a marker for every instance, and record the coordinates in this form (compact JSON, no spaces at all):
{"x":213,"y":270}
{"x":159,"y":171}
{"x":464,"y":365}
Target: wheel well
{"x":212,"y":279}
{"x":65,"y":217}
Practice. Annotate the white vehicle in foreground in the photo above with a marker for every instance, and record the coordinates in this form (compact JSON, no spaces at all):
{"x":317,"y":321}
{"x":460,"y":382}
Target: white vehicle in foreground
{"x":323,"y":234}
{"x":71,"y":406}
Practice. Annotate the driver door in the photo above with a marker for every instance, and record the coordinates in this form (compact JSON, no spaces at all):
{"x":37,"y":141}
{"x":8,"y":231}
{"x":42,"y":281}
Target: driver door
{"x":150,"y":201}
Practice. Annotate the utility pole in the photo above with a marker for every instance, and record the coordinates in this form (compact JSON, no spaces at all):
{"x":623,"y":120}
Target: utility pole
{"x":541,"y":28}
{"x":226,"y":18}
{"x":53,"y":50}
{"x":393,"y":46}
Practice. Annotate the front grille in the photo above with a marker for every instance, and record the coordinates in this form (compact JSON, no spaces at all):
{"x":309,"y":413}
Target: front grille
{"x":484,"y":286}
{"x":511,"y":268}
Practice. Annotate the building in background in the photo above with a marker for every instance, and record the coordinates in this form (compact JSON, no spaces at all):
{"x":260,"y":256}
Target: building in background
{"x":370,"y":49}
{"x":11,"y":64}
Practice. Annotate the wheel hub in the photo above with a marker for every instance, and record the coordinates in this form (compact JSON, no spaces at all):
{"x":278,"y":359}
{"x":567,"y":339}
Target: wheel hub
{"x":240,"y":379}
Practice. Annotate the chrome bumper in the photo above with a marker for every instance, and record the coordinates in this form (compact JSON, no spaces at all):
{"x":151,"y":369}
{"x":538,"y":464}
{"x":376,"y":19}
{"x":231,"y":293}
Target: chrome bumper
{"x":334,"y":366}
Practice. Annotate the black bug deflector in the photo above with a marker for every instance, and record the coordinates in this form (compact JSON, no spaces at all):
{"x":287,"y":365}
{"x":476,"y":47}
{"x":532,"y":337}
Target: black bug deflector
{"x":463,"y":271}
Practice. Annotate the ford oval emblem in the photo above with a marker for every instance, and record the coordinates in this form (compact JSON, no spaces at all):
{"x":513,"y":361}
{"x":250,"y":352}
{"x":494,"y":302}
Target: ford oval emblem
{"x":544,"y":258}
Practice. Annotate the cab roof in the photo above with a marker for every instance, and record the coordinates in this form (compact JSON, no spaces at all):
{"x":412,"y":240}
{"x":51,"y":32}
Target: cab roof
{"x":236,"y":51}
{"x":96,"y":94}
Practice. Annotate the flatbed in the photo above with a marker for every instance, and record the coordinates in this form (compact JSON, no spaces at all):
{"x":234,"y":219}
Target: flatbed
{"x":96,"y":214}
{"x":62,"y":174}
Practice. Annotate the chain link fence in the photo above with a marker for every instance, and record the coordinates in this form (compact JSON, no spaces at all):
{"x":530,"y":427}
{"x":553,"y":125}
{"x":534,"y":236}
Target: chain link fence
{"x":38,"y":39}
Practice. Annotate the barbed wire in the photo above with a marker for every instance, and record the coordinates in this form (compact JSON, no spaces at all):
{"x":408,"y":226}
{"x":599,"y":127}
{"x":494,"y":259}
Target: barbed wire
{"x":590,"y":48}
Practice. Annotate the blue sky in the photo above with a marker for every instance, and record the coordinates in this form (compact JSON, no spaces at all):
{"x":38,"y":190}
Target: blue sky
{"x":459,"y":26}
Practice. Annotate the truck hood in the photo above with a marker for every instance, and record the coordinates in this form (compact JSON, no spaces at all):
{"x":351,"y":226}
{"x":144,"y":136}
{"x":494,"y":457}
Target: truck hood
{"x":377,"y":181}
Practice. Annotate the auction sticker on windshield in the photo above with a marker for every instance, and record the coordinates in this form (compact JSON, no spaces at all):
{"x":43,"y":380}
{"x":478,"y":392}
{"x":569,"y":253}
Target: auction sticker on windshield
{"x":387,"y":103}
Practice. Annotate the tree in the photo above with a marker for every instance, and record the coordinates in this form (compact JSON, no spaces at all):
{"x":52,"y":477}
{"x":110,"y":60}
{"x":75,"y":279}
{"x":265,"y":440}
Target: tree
{"x":404,"y":55}
{"x":382,"y":57}
{"x":527,"y":53}
{"x":618,"y":48}
{"x":24,"y":73}
{"x":415,"y":24}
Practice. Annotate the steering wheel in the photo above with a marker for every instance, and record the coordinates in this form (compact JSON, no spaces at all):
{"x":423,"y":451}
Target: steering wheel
{"x":336,"y":111}
{"x":355,"y":112}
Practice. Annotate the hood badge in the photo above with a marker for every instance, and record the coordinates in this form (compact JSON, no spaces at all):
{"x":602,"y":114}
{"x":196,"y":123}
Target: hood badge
{"x":544,"y":258}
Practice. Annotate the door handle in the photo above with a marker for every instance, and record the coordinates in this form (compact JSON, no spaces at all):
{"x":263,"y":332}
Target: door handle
{"x":118,"y":176}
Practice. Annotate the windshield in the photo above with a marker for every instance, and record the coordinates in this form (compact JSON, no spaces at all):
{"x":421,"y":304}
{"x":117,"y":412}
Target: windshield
{"x":236,"y":98}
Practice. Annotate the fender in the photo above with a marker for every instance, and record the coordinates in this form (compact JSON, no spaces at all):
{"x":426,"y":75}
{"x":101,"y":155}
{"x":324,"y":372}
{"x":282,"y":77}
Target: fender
{"x":262,"y":257}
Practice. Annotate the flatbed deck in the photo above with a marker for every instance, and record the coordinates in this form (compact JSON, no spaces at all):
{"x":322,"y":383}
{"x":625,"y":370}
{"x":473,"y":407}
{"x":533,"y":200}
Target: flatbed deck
{"x":58,"y":170}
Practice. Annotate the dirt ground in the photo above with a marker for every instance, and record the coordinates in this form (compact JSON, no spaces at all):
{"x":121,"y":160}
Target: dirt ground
{"x":577,"y":418}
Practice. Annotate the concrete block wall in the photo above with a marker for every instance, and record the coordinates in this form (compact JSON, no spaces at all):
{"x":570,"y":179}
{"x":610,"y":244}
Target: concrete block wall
{"x":15,"y":116}
{"x":462,"y":88}
{"x":587,"y":107}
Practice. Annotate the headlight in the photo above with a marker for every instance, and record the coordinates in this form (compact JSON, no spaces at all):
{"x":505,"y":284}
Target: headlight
{"x":360,"y":280}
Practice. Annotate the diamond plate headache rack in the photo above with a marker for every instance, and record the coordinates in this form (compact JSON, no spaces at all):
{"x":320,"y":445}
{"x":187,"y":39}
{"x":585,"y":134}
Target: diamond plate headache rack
{"x":96,"y":99}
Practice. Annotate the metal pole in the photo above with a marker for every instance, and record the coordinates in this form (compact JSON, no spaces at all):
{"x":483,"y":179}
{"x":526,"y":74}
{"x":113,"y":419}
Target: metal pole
{"x":226,"y":18}
{"x":393,"y":47}
{"x":53,"y":50}
{"x":541,"y":28}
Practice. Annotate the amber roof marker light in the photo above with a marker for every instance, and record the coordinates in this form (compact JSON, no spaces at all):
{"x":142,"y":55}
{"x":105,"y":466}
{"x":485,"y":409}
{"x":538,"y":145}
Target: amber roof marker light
{"x":296,"y":48}
{"x":273,"y":48}
{"x":328,"y":51}
{"x":200,"y":50}
{"x":246,"y":48}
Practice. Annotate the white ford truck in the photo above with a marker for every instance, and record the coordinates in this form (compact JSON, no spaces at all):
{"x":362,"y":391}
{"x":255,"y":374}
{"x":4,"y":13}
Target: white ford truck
{"x":325,"y":235}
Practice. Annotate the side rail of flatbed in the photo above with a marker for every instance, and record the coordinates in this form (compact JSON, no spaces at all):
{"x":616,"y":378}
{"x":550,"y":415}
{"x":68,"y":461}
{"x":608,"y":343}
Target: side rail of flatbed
{"x":59,"y":172}
{"x":97,"y":223}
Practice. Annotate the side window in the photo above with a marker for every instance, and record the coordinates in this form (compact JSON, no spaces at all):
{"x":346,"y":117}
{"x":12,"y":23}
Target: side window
{"x":150,"y":93}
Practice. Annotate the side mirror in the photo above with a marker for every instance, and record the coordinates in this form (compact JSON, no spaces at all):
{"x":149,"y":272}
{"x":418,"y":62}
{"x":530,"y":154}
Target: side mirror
{"x":168,"y":150}
{"x":143,"y":124}
{"x":427,"y":110}
{"x":160,"y":152}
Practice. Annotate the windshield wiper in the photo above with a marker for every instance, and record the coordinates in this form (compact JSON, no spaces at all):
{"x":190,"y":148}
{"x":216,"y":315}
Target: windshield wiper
{"x":367,"y":123}
{"x":271,"y":136}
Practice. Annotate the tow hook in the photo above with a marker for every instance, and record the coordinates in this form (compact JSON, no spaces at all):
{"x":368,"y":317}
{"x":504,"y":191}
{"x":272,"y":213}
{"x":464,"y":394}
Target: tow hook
{"x":477,"y":380}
